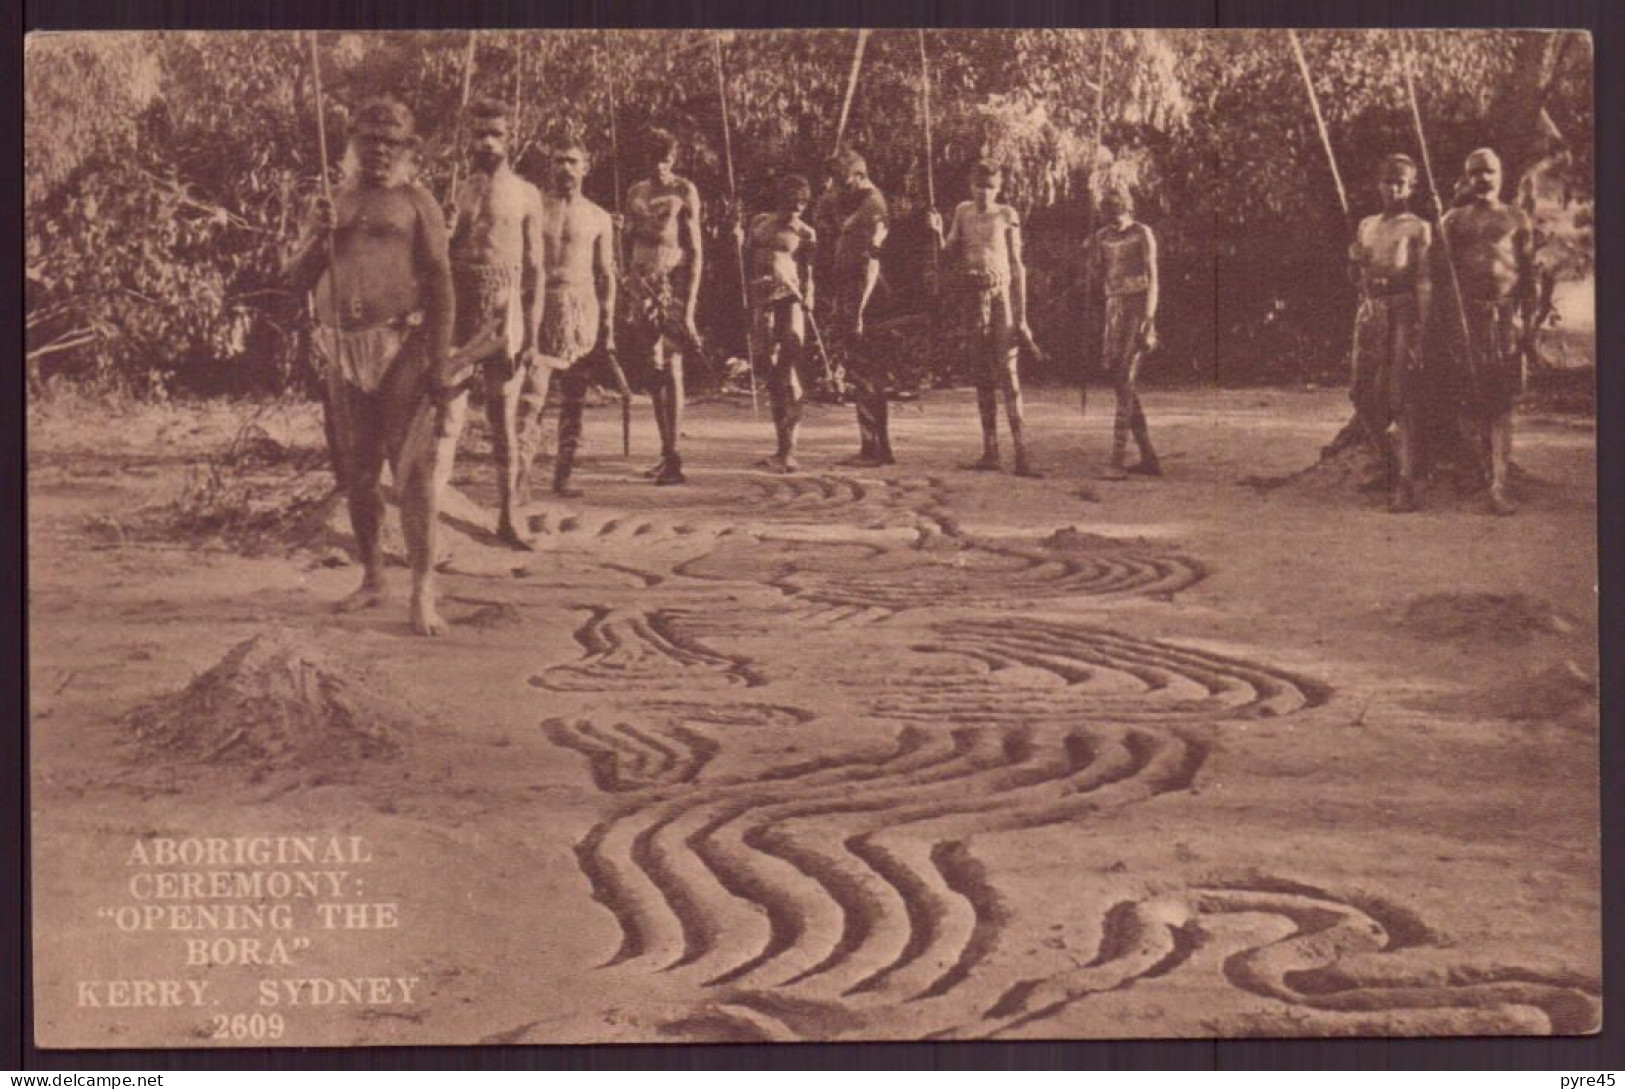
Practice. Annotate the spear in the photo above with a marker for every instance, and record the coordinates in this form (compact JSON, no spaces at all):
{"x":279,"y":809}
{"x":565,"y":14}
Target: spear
{"x":1438,"y":210}
{"x":327,"y":184}
{"x":851,"y":87}
{"x":1094,"y":159}
{"x":733,"y":199}
{"x":615,"y":242}
{"x":1320,"y":121}
{"x":457,"y":130}
{"x":930,"y":174}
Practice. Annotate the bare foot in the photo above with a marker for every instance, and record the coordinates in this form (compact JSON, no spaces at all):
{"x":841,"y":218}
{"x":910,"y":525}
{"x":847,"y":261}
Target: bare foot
{"x":988,"y":463}
{"x":1025,"y":468}
{"x":1501,"y":503}
{"x":425,"y":619}
{"x":1113,"y":472}
{"x":1146,"y":467}
{"x":860,"y":461}
{"x":370,"y":596}
{"x":567,"y":491}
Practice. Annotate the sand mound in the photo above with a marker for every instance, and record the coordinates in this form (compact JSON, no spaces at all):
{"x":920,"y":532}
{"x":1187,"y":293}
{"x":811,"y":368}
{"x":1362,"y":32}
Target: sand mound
{"x":280,"y":703}
{"x":1552,"y":694}
{"x":494,"y":616}
{"x":1499,"y":618}
{"x":1072,"y":539}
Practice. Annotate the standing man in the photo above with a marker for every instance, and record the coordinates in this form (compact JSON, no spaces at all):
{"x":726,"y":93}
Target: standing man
{"x":578,"y":304}
{"x":383,"y":311}
{"x":1492,"y":247}
{"x":662,"y":287}
{"x":496,"y":262}
{"x":1389,"y":261}
{"x":864,"y":224}
{"x":779,"y":254}
{"x":1120,"y":284}
{"x":983,"y":249}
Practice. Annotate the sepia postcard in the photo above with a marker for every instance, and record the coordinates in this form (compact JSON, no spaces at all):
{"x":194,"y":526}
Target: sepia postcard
{"x":615,"y":536}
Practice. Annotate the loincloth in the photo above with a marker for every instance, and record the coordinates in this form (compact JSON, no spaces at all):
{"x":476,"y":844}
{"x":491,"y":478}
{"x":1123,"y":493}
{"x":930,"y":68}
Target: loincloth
{"x":488,"y":296}
{"x":653,"y":308}
{"x":1387,"y":355}
{"x":1124,"y":319}
{"x":569,"y":323}
{"x":1497,"y":367}
{"x":362,"y":357}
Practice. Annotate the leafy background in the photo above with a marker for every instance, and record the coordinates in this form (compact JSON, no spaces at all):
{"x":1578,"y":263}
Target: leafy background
{"x":165,"y":172}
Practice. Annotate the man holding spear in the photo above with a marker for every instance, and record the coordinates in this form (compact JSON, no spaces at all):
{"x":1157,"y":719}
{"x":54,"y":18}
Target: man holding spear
{"x":374,"y":253}
{"x":1491,"y":246}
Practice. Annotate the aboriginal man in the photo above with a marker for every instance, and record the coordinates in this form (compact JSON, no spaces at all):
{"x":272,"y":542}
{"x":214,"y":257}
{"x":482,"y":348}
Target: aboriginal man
{"x":662,"y":288}
{"x":779,"y":249}
{"x":984,"y":252}
{"x":496,"y":265}
{"x":864,"y":225}
{"x":1491,"y":245}
{"x":1389,"y":260}
{"x":383,"y":307}
{"x":1120,"y":284}
{"x":578,"y":301}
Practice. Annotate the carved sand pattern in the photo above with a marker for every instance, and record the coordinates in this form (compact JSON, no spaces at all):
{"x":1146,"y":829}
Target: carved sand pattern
{"x":1019,"y":670}
{"x":625,"y":757}
{"x":633,"y":650}
{"x":1332,"y":961}
{"x":852,"y":872}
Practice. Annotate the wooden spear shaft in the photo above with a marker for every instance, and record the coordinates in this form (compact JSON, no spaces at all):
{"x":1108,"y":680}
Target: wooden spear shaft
{"x":327,"y":184}
{"x":1320,"y":121}
{"x":462,"y":108}
{"x":1438,"y":210}
{"x":851,"y":87}
{"x":739,"y":244}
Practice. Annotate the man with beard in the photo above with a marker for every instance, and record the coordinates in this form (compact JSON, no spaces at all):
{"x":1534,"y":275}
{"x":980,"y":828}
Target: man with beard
{"x":662,"y":288}
{"x":383,"y":306}
{"x":1491,"y":245}
{"x":496,"y":263}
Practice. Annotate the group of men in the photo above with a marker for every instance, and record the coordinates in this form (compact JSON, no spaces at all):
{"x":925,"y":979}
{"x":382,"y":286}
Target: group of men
{"x":521,"y":288}
{"x":1489,"y":258}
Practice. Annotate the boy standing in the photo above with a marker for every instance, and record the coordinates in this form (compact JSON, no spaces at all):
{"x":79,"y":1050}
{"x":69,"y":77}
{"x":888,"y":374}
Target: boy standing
{"x":1120,"y":282}
{"x":983,"y":248}
{"x":1389,"y":260}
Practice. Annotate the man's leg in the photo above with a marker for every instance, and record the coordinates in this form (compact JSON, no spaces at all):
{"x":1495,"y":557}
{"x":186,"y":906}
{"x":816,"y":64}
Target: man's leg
{"x":987,"y":409}
{"x":789,"y":358}
{"x":1148,"y":465}
{"x":572,"y":395}
{"x":420,"y":439}
{"x":533,"y":385}
{"x":1501,"y":463}
{"x":357,"y":425}
{"x":670,"y":377}
{"x":502,"y":382}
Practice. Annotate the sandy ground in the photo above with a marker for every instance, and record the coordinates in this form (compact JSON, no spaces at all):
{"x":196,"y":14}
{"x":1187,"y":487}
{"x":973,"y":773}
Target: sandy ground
{"x":906,"y":753}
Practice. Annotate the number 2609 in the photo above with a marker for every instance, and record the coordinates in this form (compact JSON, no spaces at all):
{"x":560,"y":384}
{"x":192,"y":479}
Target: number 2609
{"x":246,"y":1026}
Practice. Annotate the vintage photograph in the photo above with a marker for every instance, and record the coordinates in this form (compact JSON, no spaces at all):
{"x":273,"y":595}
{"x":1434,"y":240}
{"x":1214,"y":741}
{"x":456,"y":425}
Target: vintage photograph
{"x":617,"y":536}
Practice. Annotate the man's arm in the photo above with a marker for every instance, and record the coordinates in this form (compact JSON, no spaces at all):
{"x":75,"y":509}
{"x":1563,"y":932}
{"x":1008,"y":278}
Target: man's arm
{"x":1422,"y":246}
{"x":871,"y":264}
{"x":696,"y":249}
{"x":433,"y":267}
{"x":1152,"y":290}
{"x":1523,"y":241}
{"x":1018,"y":273}
{"x":807,"y":257}
{"x":604,"y":274}
{"x":533,"y":272}
{"x":307,"y":260}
